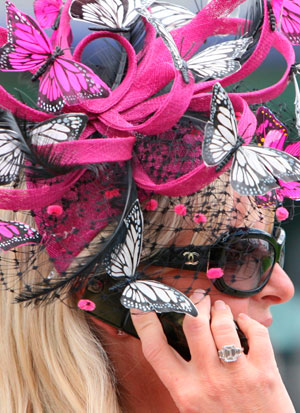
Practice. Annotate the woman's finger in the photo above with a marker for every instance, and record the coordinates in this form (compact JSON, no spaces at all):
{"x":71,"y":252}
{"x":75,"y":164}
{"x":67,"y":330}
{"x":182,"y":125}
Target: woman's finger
{"x":258,"y":339}
{"x":162,"y":357}
{"x":197,"y":331}
{"x":223,"y":327}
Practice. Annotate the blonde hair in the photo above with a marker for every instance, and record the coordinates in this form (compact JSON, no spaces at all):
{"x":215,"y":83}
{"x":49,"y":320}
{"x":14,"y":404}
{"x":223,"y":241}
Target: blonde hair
{"x":51,"y":360}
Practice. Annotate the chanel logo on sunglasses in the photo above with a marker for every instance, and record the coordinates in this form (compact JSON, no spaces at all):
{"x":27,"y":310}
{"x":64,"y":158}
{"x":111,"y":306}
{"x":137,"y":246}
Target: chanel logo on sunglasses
{"x":191,"y":257}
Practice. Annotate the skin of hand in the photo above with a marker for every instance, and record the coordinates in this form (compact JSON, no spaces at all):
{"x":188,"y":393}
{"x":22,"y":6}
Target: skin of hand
{"x":206,"y":383}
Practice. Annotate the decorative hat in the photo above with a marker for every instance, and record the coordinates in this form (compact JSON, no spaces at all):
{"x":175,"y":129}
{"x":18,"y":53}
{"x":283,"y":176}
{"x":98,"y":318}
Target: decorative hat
{"x":121,"y":142}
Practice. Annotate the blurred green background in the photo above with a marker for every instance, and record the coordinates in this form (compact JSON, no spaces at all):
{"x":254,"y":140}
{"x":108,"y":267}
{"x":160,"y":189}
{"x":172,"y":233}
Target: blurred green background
{"x":285,"y":330}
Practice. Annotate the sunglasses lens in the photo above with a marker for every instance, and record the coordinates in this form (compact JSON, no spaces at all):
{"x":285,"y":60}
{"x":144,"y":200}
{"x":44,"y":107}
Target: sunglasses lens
{"x":246,"y":262}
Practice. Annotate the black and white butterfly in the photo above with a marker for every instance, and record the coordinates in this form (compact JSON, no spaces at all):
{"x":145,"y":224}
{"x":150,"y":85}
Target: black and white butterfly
{"x":14,"y":146}
{"x":219,"y":60}
{"x":120,"y":15}
{"x":145,"y":295}
{"x":255,"y":170}
{"x":114,"y":15}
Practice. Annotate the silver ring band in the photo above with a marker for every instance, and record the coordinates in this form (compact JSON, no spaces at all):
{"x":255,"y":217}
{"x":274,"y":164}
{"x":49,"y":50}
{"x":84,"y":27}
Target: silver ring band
{"x":230,"y":353}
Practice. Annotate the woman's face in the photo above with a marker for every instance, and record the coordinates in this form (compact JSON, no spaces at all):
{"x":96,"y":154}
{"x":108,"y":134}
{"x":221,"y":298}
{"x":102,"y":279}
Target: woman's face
{"x":279,"y":289}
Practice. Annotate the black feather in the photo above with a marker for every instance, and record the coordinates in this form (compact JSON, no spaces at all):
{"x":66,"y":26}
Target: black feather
{"x":84,"y":269}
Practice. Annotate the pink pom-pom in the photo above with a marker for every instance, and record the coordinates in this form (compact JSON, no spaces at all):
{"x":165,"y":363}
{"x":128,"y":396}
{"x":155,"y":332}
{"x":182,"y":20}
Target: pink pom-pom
{"x":151,"y":205}
{"x":213,"y":273}
{"x":86,"y":305}
{"x":55,"y":210}
{"x":282,"y":214}
{"x":199,"y":218}
{"x":113,"y":193}
{"x":180,"y":209}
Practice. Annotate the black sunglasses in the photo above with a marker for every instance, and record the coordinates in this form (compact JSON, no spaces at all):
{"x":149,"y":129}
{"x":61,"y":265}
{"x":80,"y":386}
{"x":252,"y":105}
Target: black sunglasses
{"x":246,"y":255}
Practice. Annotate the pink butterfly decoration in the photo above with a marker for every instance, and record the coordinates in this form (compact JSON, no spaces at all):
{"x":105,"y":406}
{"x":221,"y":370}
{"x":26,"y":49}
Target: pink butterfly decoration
{"x":287,"y":13}
{"x":62,"y":81}
{"x":272,"y":133}
{"x":47,"y":12}
{"x":14,"y":234}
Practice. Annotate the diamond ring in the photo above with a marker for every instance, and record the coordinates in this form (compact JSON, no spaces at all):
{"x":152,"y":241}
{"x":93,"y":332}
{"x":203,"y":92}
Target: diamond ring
{"x":230,"y":353}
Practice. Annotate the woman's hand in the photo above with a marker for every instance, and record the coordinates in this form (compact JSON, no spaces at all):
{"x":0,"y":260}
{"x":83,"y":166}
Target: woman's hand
{"x":206,"y":383}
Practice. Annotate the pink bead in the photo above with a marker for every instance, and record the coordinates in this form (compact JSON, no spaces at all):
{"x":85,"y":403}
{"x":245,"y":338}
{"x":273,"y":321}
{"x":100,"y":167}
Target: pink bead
{"x":213,"y":273}
{"x":199,"y":218}
{"x":55,"y":210}
{"x":151,"y":205}
{"x":282,"y":214}
{"x":86,"y":305}
{"x":180,"y":209}
{"x":114,"y":193}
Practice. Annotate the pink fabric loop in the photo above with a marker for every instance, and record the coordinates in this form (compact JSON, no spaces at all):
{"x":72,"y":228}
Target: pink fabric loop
{"x":63,"y":29}
{"x":25,"y":199}
{"x":283,"y":45}
{"x":91,"y":151}
{"x":71,"y":153}
{"x":166,"y":110}
{"x":102,"y":105}
{"x":203,"y":175}
{"x":19,"y":109}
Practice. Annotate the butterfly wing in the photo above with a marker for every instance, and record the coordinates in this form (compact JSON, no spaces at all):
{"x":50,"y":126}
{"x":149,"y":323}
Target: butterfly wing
{"x":68,"y":82}
{"x":290,"y":20}
{"x":220,"y":135}
{"x":148,"y":295}
{"x":219,"y":60}
{"x":62,"y":128}
{"x":108,"y":14}
{"x":257,"y":170}
{"x":15,"y":234}
{"x":171,"y":15}
{"x":270,"y":131}
{"x":11,"y":157}
{"x":47,"y":11}
{"x":27,"y":47}
{"x":161,"y":30}
{"x":124,"y":258}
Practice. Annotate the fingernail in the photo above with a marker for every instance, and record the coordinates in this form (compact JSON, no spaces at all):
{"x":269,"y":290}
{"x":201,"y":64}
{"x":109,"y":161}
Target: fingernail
{"x":243,"y":316}
{"x":199,"y":291}
{"x":220,"y":305}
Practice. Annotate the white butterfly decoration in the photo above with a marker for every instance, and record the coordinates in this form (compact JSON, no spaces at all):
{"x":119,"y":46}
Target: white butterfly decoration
{"x":116,"y":15}
{"x":120,"y":15}
{"x":13,"y":144}
{"x":219,"y":60}
{"x":145,"y":295}
{"x":255,"y":170}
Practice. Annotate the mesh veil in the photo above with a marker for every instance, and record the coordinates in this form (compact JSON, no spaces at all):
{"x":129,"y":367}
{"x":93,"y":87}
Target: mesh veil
{"x":165,"y":116}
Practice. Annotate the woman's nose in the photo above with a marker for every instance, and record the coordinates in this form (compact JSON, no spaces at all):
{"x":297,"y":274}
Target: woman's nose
{"x":279,"y":289}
